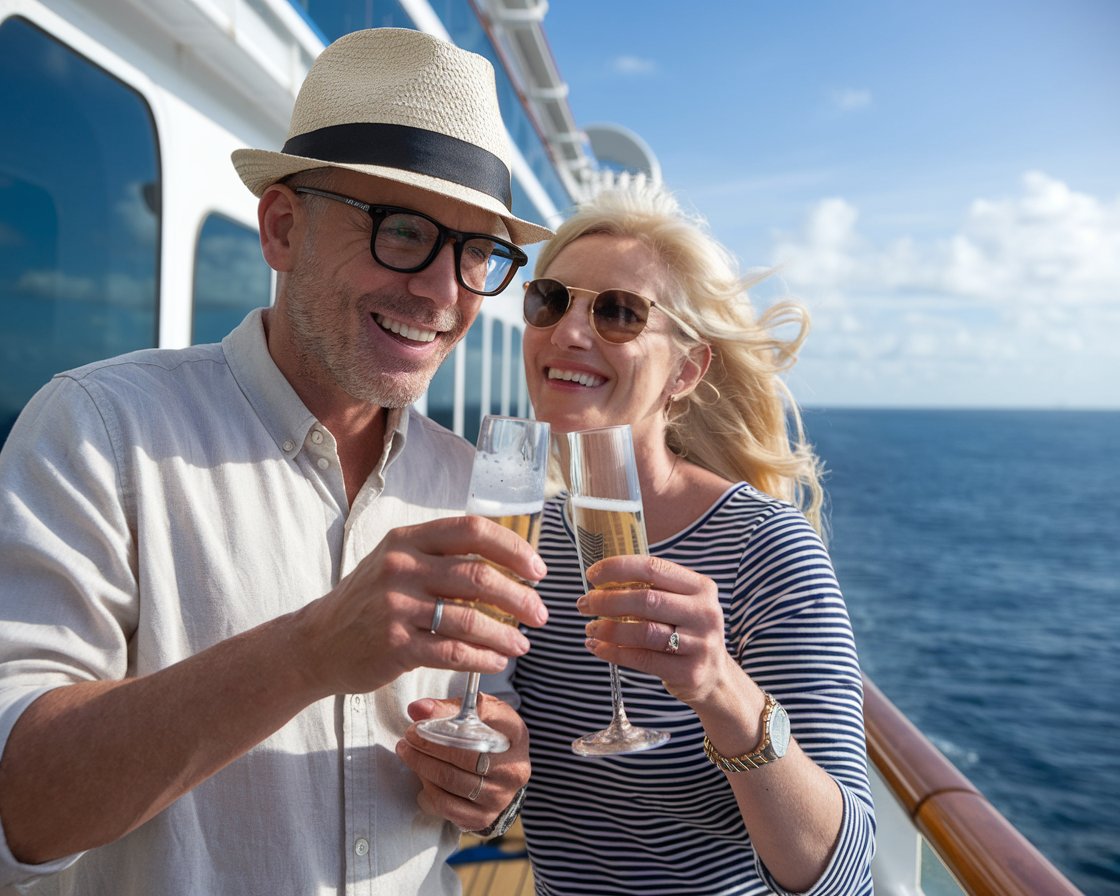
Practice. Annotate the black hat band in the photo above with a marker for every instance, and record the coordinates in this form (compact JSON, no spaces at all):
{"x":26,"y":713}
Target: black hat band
{"x":409,"y":149}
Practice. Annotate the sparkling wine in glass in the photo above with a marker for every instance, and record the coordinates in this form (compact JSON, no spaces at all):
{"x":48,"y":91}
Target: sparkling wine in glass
{"x":507,"y":486}
{"x":606,"y":505}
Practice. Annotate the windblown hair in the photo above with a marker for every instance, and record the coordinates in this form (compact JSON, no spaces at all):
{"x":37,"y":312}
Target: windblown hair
{"x":738,"y":421}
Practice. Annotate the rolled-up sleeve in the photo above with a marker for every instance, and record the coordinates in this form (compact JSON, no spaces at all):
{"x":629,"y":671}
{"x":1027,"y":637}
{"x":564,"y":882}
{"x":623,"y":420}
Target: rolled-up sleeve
{"x":68,"y":594}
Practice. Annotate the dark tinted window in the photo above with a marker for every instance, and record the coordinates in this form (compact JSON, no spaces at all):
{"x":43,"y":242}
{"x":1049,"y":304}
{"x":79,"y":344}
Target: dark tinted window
{"x":518,"y":394}
{"x":473,"y":384}
{"x":497,"y":377}
{"x":441,"y":393}
{"x":335,"y":18}
{"x":231,"y":278}
{"x":79,"y":215}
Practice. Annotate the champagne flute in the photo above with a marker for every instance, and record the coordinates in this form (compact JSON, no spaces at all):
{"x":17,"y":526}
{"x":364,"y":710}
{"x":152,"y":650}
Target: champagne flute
{"x":507,"y":486}
{"x":606,"y":504}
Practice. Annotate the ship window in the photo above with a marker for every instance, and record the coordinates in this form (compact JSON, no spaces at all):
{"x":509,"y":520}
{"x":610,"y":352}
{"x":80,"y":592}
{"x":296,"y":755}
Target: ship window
{"x":231,"y":278}
{"x":335,"y":18}
{"x":79,"y":215}
{"x":499,"y":395}
{"x":441,"y":393}
{"x":473,"y":383}
{"x":518,"y":393}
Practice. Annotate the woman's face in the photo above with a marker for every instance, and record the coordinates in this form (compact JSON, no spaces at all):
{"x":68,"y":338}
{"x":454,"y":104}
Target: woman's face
{"x":578,"y":380}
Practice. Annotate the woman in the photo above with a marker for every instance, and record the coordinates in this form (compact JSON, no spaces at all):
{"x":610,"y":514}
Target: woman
{"x":637,"y":316}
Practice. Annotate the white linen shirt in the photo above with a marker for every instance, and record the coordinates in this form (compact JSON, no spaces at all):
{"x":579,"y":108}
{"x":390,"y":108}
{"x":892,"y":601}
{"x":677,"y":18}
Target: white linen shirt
{"x":158,"y":503}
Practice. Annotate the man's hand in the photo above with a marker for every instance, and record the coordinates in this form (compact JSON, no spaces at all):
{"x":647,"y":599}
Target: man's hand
{"x":468,"y":789}
{"x":376,"y":623}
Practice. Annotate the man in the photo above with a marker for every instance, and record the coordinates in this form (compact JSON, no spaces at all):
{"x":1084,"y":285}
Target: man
{"x":223,"y":570}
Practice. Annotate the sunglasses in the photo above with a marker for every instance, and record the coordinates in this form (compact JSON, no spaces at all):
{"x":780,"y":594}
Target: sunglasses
{"x":616,"y":315}
{"x":407,"y":241}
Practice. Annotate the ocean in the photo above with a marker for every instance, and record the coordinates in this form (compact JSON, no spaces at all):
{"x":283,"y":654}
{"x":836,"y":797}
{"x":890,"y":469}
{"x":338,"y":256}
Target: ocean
{"x":979,"y":552}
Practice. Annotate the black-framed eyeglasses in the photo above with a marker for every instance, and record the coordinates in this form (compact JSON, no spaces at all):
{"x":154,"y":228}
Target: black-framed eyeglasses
{"x":408,"y":241}
{"x":616,"y":315}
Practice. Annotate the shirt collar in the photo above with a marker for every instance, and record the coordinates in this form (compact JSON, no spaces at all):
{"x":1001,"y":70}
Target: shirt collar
{"x":276,"y":403}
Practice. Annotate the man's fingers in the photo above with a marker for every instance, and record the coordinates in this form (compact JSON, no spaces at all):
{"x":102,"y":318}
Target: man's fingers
{"x":467,"y":535}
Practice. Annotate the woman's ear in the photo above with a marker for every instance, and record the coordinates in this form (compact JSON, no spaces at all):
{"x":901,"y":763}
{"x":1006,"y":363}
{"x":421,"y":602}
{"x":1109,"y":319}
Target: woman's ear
{"x":277,"y":216}
{"x":693,"y":367}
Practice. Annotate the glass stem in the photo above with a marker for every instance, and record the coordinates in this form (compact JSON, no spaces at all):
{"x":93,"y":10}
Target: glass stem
{"x":616,"y":698}
{"x":469,"y":708}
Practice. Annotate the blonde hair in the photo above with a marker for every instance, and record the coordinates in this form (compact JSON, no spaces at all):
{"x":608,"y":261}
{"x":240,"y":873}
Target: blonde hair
{"x":737,"y":423}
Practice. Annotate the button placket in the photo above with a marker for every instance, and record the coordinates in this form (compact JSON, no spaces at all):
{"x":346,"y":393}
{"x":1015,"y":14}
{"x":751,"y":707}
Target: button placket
{"x":357,"y":747}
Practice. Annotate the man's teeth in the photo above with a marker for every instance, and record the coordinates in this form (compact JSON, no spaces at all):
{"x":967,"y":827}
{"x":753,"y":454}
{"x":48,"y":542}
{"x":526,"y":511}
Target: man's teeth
{"x":402,"y":329}
{"x":573,"y":376}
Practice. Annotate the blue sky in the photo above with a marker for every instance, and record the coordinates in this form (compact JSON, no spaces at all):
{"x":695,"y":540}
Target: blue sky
{"x":940,"y":182}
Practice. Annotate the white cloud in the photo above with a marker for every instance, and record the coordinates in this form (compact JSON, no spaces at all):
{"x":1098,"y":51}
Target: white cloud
{"x":114,"y":288}
{"x":1023,"y":299}
{"x":53,"y":283}
{"x":135,"y":215}
{"x":850,"y":99}
{"x":633,"y":65}
{"x":1047,"y":245}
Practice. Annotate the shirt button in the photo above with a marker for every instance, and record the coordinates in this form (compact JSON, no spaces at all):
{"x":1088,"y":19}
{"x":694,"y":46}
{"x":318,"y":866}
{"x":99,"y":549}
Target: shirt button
{"x":289,"y":445}
{"x":317,"y":437}
{"x":357,"y":699}
{"x":323,"y":463}
{"x":361,"y":846}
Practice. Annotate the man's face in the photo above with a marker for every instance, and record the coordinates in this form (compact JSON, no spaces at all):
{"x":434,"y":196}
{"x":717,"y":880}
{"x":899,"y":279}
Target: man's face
{"x":375,"y":334}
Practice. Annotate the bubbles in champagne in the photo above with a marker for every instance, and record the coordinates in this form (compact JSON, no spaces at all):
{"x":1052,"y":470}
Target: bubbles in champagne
{"x":505,"y":480}
{"x":496,"y":509}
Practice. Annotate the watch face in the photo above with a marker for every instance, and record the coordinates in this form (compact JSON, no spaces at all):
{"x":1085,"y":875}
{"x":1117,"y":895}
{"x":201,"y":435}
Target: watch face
{"x":779,"y":731}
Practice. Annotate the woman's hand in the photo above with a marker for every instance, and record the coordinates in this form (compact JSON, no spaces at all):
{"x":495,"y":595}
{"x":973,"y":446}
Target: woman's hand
{"x":638,"y":622}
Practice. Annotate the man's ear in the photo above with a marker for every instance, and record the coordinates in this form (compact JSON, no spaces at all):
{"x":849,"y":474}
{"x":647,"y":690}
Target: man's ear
{"x":279,"y":219}
{"x":693,"y":367}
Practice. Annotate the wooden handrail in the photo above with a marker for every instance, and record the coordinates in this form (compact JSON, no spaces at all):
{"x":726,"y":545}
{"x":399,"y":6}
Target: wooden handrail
{"x":980,"y":847}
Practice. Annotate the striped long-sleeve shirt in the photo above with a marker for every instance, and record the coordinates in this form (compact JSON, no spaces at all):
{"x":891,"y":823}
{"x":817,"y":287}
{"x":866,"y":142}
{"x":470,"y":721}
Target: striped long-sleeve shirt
{"x":666,"y":821}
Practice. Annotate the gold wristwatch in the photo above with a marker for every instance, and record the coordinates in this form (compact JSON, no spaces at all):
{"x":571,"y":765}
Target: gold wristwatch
{"x":774,"y":743}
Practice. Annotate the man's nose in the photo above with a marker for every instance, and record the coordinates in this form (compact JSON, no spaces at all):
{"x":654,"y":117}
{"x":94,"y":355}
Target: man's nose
{"x":438,"y":281}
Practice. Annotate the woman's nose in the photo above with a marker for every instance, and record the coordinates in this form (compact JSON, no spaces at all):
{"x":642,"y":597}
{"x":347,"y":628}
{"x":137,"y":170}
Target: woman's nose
{"x":574,"y":328}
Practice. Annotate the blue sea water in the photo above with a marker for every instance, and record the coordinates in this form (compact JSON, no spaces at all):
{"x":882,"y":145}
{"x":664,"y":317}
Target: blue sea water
{"x":979,"y":552}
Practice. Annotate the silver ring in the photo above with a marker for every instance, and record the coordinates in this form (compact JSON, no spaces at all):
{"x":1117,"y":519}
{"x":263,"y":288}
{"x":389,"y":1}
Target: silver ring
{"x":437,"y":616}
{"x":473,"y":795}
{"x":483,"y":765}
{"x":674,"y":642}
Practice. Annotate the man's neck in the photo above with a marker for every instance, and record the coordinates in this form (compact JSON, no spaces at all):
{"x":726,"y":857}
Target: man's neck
{"x":360,"y":446}
{"x":358,"y":427}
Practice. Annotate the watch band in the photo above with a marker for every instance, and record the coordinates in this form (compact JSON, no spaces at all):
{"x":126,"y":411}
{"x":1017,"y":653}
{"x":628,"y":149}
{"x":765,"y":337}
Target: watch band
{"x":760,"y":756}
{"x":505,"y":821}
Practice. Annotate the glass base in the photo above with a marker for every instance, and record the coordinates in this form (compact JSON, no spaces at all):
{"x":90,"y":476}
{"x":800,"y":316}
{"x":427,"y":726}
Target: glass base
{"x":619,"y":738}
{"x":469,"y":733}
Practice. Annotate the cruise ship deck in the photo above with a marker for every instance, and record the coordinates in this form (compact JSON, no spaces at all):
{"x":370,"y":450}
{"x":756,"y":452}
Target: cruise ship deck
{"x":173,"y":86}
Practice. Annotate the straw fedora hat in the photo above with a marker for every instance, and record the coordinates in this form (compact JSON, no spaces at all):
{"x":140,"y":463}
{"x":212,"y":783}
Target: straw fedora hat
{"x":405,"y":106}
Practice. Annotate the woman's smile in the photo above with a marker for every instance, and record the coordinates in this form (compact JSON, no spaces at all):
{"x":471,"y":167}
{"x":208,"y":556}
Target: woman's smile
{"x":575,"y":376}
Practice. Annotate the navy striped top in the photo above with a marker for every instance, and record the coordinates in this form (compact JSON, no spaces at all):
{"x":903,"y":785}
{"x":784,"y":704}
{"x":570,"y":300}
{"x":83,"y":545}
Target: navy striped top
{"x":666,"y":821}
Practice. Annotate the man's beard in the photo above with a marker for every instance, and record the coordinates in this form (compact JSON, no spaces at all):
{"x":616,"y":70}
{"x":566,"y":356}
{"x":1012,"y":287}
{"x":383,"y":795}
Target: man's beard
{"x":324,"y":325}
